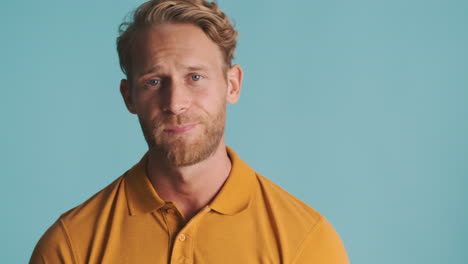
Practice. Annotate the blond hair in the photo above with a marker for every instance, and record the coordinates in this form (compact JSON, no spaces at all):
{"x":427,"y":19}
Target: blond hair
{"x":201,"y":13}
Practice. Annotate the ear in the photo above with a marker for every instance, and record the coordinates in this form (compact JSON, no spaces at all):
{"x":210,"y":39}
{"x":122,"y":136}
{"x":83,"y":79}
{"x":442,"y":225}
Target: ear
{"x":234,"y":78}
{"x":127,"y":95}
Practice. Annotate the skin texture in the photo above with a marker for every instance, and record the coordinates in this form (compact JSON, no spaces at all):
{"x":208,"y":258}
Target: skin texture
{"x":178,"y":88}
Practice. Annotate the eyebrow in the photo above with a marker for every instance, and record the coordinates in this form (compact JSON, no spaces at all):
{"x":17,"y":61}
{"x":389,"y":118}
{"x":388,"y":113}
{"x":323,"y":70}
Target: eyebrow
{"x":158,"y":68}
{"x":196,"y":68}
{"x":152,"y":70}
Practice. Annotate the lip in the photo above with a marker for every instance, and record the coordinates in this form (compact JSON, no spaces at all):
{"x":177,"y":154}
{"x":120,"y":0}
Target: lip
{"x":179,"y":129}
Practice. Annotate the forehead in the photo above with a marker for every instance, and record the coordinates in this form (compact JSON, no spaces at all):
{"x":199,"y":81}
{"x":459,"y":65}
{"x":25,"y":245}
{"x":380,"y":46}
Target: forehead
{"x":170,"y":45}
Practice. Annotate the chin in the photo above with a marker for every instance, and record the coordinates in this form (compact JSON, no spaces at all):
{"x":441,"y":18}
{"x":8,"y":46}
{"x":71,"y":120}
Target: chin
{"x":183,"y":152}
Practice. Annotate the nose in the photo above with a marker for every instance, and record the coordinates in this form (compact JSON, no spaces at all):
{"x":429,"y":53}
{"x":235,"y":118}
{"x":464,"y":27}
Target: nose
{"x":177,"y":98}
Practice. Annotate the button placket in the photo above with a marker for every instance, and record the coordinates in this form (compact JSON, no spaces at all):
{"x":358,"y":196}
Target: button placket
{"x":173,"y":223}
{"x":182,"y":237}
{"x":182,"y":251}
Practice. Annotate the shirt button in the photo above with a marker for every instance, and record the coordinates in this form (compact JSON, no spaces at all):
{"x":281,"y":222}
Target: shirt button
{"x":170,"y":211}
{"x":182,"y":237}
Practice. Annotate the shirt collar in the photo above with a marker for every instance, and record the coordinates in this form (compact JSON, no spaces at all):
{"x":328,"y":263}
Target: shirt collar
{"x":141,"y":196}
{"x":235,"y":194}
{"x":233,"y":197}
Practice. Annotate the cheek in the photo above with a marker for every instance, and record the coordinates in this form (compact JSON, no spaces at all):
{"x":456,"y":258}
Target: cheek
{"x":217,"y":91}
{"x":146,"y":104}
{"x":210,"y":102}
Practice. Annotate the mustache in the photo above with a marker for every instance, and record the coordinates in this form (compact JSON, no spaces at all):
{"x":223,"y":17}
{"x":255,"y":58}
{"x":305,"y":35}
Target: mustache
{"x":176,"y":120}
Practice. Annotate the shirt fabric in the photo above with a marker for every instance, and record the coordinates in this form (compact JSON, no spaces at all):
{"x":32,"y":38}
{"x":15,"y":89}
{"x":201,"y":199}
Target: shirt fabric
{"x":251,"y":220}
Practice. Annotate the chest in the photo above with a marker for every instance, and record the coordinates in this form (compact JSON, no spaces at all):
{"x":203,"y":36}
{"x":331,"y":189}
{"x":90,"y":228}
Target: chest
{"x":163,"y":237}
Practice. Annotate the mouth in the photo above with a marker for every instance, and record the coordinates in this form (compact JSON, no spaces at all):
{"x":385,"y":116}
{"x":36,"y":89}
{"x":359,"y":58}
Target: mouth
{"x":179,"y":129}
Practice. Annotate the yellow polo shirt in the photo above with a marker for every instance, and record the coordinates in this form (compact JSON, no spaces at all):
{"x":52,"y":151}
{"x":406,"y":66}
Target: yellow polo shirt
{"x":251,"y":220}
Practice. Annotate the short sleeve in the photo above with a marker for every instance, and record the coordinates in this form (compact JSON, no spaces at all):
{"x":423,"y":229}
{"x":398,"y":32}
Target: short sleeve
{"x":53,"y":247}
{"x":322,"y":246}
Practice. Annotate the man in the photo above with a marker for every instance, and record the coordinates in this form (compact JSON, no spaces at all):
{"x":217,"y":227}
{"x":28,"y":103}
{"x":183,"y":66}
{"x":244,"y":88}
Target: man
{"x":190,"y":199}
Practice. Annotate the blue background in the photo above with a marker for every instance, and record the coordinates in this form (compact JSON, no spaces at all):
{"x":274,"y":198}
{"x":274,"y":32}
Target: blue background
{"x":359,"y":108}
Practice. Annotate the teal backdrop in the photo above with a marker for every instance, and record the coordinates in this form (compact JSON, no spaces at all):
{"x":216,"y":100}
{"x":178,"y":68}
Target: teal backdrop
{"x":358,"y":108}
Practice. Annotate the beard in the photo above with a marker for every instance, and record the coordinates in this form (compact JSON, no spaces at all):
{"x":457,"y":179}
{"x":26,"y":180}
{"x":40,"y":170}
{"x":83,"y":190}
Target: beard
{"x":184,"y":150}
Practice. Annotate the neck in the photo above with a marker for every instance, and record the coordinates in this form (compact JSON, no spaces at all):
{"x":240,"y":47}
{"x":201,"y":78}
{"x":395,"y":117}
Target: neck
{"x":190,"y":187}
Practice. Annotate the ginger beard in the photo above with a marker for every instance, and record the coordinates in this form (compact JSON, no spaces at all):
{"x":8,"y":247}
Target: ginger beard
{"x":184,"y":150}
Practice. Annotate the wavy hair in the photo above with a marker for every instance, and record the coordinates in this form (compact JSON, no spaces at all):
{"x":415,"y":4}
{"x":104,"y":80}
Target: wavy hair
{"x":201,"y":13}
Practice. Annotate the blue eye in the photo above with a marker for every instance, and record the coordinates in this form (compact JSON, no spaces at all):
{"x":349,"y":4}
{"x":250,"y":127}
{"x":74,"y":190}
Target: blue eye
{"x":153,"y":82}
{"x":196,"y":77}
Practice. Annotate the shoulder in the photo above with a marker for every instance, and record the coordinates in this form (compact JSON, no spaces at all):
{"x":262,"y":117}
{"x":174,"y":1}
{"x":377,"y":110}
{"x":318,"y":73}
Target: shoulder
{"x":322,"y":244}
{"x":285,"y":203}
{"x":58,"y":243}
{"x":54,"y":246}
{"x":312,"y":238}
{"x":96,"y":203}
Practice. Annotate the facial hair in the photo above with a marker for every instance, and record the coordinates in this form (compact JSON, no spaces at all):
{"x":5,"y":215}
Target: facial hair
{"x":178,"y":150}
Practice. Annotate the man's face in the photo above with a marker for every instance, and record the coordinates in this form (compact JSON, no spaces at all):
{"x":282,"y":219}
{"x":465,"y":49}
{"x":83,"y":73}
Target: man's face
{"x":179,"y":89}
